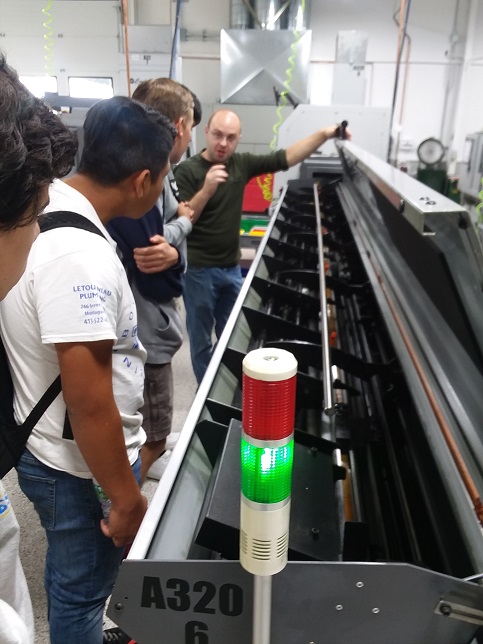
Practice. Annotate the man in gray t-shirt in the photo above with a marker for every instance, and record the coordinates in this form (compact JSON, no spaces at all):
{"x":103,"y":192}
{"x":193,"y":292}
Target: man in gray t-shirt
{"x":156,"y":267}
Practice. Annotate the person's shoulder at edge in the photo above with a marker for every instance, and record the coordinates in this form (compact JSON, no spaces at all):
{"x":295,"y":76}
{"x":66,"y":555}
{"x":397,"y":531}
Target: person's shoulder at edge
{"x":185,"y":163}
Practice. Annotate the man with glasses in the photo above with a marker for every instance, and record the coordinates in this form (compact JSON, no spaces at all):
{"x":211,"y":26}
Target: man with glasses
{"x":213,"y":182}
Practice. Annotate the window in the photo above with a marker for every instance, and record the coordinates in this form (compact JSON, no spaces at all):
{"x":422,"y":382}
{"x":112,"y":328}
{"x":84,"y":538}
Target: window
{"x":38,"y":85}
{"x":90,"y":87}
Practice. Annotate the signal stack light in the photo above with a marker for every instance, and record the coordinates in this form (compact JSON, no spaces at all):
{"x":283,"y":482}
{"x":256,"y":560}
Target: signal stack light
{"x":267,"y":447}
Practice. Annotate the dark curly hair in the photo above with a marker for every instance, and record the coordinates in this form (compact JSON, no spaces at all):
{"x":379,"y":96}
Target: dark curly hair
{"x":35,"y":148}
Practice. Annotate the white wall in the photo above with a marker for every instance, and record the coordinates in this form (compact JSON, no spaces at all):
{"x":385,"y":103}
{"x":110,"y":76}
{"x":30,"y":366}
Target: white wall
{"x":85,"y":39}
{"x":88,"y":39}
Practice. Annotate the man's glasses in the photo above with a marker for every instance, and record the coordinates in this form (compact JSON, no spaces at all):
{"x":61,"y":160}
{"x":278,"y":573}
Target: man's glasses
{"x":219,"y":136}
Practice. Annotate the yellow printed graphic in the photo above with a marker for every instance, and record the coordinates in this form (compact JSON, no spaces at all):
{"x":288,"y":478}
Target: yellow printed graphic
{"x":266,"y":186}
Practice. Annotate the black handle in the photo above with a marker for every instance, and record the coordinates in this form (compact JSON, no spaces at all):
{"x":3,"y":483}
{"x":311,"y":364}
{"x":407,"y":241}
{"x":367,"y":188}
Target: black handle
{"x":340,"y":132}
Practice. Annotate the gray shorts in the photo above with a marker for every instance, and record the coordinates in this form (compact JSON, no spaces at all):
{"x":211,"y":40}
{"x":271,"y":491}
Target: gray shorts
{"x":157,"y":410}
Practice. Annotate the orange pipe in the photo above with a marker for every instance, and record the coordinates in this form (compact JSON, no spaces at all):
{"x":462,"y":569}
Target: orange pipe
{"x":400,"y":31}
{"x":126,"y":46}
{"x":452,"y":446}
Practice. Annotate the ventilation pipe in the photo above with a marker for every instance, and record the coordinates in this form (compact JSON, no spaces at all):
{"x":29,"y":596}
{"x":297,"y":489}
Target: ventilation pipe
{"x":175,"y":44}
{"x":269,"y":14}
{"x":298,"y":15}
{"x":240,"y":17}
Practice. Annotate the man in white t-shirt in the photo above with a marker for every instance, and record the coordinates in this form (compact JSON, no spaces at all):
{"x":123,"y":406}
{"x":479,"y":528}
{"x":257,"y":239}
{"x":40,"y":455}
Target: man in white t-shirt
{"x":35,"y":147}
{"x":73,"y":313}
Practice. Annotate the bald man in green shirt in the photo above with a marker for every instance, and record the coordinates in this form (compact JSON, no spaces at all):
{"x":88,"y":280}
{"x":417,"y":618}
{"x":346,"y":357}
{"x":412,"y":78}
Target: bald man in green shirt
{"x":213,"y":182}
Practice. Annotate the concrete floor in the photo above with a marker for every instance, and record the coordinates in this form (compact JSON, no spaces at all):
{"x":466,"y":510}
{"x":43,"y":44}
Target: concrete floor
{"x":32,"y":543}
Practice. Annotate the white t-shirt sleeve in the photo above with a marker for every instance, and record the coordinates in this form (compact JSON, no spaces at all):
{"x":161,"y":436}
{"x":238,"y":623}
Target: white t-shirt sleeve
{"x":79,"y":300}
{"x":12,"y":629}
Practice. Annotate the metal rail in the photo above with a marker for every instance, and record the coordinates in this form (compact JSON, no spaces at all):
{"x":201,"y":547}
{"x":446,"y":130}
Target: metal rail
{"x":328,"y":394}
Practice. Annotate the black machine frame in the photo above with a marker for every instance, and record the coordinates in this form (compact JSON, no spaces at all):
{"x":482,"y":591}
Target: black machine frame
{"x":374,"y":282}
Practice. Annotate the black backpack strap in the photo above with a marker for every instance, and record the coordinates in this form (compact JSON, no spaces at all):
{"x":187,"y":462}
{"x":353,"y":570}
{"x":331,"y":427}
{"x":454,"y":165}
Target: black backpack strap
{"x":67,"y":219}
{"x":49,"y":221}
{"x":13,"y":437}
{"x":41,"y":407}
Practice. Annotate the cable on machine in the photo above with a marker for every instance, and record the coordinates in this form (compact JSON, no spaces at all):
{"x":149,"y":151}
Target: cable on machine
{"x":48,"y":40}
{"x":479,"y":207}
{"x":282,"y":99}
{"x":284,"y":96}
{"x":124,"y":14}
{"x":174,"y":46}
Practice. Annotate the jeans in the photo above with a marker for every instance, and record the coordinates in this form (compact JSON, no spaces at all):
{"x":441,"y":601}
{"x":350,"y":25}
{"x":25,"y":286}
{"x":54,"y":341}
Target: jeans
{"x":209,"y":296}
{"x":81,"y":563}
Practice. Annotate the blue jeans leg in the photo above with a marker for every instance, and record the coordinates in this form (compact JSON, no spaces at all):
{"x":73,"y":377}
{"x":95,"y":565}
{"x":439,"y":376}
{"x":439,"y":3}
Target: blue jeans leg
{"x":209,"y":295}
{"x":81,"y":563}
{"x":199,"y":299}
{"x":228,"y":282}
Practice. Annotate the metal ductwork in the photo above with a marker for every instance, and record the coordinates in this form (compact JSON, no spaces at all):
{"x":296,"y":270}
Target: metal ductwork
{"x":257,"y":52}
{"x":240,"y":17}
{"x":269,"y":14}
{"x":298,"y":15}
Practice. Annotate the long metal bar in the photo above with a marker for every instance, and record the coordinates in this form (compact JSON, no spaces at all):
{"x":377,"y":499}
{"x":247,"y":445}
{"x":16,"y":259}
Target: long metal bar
{"x":329,"y":408}
{"x":328,"y":398}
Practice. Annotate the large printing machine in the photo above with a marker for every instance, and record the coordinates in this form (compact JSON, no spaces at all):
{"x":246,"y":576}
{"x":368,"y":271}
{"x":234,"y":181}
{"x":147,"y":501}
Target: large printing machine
{"x":374,"y":282}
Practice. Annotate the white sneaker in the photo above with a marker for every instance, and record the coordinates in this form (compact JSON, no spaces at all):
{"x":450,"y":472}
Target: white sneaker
{"x":156,"y":470}
{"x":172,"y":440}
